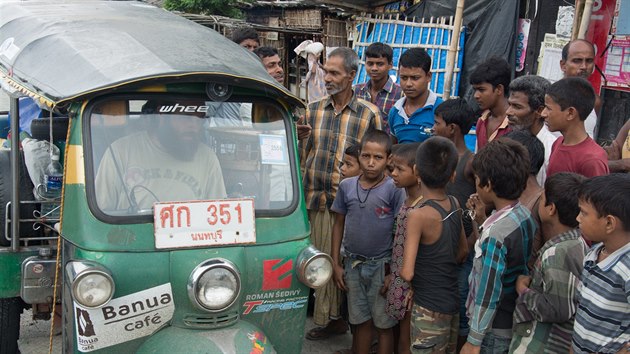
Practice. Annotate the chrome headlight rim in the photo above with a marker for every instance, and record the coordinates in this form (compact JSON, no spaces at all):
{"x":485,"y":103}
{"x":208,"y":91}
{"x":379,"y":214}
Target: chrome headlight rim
{"x":90,"y":270}
{"x":306,"y":257}
{"x":204,"y":267}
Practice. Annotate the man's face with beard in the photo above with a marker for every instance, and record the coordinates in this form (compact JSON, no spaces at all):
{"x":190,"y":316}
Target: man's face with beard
{"x":337,"y":78}
{"x":179,"y":135}
{"x":520,"y":115}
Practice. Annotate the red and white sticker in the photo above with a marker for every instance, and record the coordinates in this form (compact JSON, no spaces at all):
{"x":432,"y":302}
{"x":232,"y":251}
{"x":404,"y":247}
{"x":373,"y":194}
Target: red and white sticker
{"x":204,"y":223}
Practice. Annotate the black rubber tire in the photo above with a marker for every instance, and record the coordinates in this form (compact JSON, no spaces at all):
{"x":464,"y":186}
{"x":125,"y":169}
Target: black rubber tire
{"x":41,"y":131}
{"x":10,"y":311}
{"x":26,"y":193}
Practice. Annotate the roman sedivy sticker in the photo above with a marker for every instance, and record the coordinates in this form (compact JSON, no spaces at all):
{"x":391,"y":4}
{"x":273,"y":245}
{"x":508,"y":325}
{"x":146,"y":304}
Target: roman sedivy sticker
{"x":123,"y":319}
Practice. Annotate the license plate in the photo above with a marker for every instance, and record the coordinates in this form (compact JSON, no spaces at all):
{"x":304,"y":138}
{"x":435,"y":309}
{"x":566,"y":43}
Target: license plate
{"x":204,"y":223}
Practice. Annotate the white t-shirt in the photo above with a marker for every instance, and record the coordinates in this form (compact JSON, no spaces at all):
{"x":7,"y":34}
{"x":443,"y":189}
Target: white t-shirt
{"x":151,"y":175}
{"x":547,"y":138}
{"x":590,"y":124}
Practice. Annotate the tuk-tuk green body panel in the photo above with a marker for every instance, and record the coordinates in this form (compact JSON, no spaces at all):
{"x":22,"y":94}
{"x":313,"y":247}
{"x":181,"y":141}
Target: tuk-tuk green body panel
{"x":275,"y":299}
{"x":87,"y":232}
{"x":243,"y":337}
{"x":10,"y":276}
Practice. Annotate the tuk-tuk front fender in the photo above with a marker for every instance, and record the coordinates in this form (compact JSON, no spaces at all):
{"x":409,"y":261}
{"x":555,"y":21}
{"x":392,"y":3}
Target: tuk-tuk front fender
{"x":242,"y":337}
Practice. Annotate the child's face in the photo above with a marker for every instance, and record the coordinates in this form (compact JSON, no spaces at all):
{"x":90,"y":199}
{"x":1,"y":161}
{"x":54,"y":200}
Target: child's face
{"x":414,"y":81}
{"x":349,"y":166}
{"x":592,"y":225}
{"x":373,"y":160}
{"x":542,"y":209}
{"x":483,"y":192}
{"x":377,"y":68}
{"x":402,"y":174}
{"x":440,"y":128}
{"x":555,"y":117}
{"x":486,"y":96}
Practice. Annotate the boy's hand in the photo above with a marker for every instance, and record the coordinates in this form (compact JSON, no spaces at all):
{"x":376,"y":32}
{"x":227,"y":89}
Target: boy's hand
{"x":338,"y":277}
{"x":624,"y":350}
{"x":386,"y":282}
{"x":475,"y":204}
{"x":522,"y":283}
{"x":468,"y":348}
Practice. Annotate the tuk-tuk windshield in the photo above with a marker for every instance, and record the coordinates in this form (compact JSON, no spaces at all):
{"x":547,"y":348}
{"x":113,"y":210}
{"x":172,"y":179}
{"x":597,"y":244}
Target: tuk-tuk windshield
{"x":167,"y":150}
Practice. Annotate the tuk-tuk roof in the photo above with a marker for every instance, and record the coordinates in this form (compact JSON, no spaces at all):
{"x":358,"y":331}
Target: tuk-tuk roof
{"x":57,"y":51}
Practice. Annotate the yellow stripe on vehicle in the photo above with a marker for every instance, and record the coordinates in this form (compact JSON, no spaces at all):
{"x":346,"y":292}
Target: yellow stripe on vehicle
{"x":74,"y":169}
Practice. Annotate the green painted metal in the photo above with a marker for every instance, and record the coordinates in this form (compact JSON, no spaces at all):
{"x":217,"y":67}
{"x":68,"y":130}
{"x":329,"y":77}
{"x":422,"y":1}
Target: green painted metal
{"x":241,"y":338}
{"x":275,"y":310}
{"x":11,"y":274}
{"x":83,"y":229}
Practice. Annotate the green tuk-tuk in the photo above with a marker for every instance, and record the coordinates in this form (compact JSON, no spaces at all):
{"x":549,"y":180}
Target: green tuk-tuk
{"x":182,"y":225}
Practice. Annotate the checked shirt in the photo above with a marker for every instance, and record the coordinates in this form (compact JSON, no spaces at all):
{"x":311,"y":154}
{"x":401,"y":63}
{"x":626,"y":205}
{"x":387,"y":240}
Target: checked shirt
{"x":385,"y":99}
{"x":322,"y":152}
{"x":544,"y":314}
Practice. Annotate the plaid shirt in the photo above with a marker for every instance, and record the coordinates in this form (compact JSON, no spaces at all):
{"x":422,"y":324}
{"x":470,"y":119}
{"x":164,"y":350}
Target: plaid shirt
{"x":543,"y":317}
{"x":385,"y":99}
{"x":501,"y":255}
{"x":322,"y":152}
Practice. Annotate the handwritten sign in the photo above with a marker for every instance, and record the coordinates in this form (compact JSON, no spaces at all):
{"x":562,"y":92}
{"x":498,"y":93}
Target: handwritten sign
{"x":204,"y":223}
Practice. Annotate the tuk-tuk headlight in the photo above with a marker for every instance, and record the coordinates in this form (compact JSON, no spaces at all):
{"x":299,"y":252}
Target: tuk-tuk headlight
{"x":314,"y":267}
{"x":92,"y":284}
{"x":214,"y":285}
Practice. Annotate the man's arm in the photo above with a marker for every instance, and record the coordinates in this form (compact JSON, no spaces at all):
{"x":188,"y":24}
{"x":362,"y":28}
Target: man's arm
{"x":615,"y":162}
{"x":488,"y":295}
{"x":108,"y":183}
{"x":306,"y":144}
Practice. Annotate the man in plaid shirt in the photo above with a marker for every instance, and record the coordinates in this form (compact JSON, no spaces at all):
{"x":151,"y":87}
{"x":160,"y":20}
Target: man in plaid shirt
{"x":336,"y":122}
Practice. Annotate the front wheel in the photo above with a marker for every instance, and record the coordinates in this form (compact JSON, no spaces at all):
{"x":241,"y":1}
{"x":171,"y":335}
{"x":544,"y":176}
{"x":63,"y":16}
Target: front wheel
{"x":10,"y":311}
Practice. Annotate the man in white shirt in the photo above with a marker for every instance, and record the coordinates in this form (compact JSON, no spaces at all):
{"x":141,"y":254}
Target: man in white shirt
{"x":578,"y":60}
{"x":526,"y":103}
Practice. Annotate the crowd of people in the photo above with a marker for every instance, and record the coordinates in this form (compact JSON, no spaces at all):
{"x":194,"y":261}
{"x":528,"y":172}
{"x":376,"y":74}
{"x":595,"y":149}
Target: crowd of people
{"x":522,"y":246}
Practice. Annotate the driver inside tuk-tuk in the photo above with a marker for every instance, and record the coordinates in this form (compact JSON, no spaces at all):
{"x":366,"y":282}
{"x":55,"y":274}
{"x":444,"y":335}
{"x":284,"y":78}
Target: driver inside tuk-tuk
{"x":163,"y":163}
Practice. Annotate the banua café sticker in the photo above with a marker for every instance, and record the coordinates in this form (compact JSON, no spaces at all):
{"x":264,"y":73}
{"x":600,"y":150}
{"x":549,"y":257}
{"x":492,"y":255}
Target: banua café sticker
{"x":123,"y":319}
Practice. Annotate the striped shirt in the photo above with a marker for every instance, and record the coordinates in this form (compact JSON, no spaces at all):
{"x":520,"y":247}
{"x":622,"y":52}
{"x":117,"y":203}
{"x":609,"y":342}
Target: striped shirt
{"x":543,"y":317}
{"x":385,"y":99}
{"x":602,"y":321}
{"x":501,"y":255}
{"x":322,"y":152}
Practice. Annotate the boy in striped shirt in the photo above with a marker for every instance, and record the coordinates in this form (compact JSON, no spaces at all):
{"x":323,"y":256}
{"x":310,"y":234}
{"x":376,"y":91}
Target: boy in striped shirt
{"x":602,"y":321}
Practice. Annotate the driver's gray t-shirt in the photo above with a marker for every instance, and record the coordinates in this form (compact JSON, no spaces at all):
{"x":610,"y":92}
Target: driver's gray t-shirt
{"x":134,"y":168}
{"x":369,"y":225}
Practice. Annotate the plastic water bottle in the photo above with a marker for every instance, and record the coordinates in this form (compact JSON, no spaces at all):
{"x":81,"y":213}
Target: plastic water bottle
{"x":53,"y":180}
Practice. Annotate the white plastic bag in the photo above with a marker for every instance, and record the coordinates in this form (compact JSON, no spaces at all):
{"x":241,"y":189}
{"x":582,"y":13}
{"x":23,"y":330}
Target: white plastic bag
{"x":37,"y":158}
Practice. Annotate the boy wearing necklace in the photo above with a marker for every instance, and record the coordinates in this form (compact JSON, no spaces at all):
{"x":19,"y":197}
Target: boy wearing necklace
{"x":434,"y":246}
{"x":602,"y":323}
{"x":365,"y":208}
{"x":402,"y":161}
{"x":501,"y":170}
{"x":411,"y":118}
